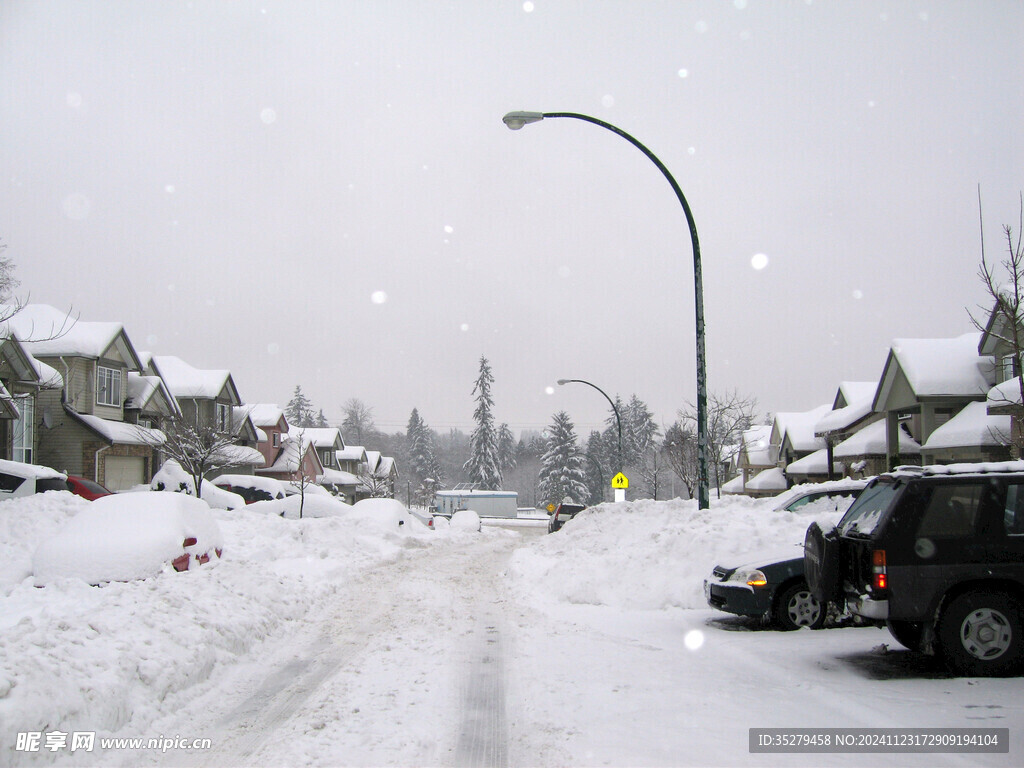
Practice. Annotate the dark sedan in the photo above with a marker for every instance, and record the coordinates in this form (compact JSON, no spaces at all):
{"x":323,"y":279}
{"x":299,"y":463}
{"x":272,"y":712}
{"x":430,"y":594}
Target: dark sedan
{"x":770,"y":587}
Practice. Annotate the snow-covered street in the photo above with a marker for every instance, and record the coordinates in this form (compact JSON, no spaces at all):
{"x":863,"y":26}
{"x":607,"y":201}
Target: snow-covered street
{"x":326,"y":642}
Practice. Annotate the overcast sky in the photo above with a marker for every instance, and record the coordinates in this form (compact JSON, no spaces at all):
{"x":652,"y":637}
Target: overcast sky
{"x":324,"y":194}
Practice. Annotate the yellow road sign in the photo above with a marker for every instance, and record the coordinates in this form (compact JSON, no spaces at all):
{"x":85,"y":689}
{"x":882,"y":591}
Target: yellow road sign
{"x":620,"y":481}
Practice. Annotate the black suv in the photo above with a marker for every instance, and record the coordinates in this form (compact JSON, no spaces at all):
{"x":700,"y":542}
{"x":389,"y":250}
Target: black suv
{"x":937,"y":553}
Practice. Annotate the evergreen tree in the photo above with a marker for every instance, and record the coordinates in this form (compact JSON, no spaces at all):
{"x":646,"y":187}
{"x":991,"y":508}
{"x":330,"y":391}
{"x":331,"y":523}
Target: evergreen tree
{"x":562,"y":473}
{"x":483,"y":465}
{"x":420,"y":449}
{"x":506,"y":448}
{"x":299,"y":411}
{"x":320,"y":420}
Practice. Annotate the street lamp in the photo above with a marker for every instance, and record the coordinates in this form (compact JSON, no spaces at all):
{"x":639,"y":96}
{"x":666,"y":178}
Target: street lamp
{"x":618,"y":421}
{"x":515,"y":121}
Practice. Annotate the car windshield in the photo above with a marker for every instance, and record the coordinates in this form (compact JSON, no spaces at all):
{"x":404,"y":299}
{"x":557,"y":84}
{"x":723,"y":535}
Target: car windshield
{"x":865,"y":514}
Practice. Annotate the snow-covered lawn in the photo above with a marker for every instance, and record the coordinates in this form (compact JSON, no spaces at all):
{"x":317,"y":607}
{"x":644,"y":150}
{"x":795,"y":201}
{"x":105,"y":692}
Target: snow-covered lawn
{"x":331,"y":641}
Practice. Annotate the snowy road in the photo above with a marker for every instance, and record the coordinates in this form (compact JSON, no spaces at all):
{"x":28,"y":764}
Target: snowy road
{"x":405,"y":666}
{"x":429,"y":660}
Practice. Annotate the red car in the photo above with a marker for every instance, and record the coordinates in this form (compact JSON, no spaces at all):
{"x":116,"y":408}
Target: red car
{"x":87,"y":489}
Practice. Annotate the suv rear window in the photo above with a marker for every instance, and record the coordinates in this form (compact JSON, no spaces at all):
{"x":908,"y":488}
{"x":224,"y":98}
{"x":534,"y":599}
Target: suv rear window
{"x":866,"y":512}
{"x":44,"y":484}
{"x":1013,"y":514}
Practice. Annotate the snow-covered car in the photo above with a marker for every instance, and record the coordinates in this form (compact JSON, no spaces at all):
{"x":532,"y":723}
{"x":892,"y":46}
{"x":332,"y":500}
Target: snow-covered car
{"x":425,"y":516}
{"x":390,"y":514}
{"x":251,"y":488}
{"x":838,"y":496}
{"x":466,"y":520}
{"x":294,"y":507}
{"x":123,"y":537}
{"x":18,"y":479}
{"x":86,"y":488}
{"x":771,"y":585}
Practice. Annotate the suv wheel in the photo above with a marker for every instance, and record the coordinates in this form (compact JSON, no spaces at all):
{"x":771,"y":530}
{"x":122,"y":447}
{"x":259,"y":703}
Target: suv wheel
{"x":907,"y":633}
{"x":821,"y":564}
{"x":979,"y":634}
{"x":797,"y":608}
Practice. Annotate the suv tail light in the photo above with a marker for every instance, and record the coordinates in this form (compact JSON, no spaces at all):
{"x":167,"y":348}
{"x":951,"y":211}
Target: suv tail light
{"x":879,"y":579}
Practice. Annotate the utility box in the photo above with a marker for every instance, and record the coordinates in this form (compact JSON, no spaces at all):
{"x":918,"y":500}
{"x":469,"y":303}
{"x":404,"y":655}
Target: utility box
{"x":484,"y":503}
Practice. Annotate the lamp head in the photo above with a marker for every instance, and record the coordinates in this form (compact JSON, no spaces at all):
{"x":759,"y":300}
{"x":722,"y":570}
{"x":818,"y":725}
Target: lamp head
{"x":516,"y":120}
{"x":562,"y":382}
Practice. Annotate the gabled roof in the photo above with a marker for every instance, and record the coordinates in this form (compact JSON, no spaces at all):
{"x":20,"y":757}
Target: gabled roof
{"x":768,"y":480}
{"x":267,"y":415}
{"x":971,"y":428}
{"x":936,"y":368}
{"x":321,"y":437}
{"x":149,"y":393}
{"x":289,"y":459}
{"x":243,"y":426}
{"x":996,"y":331}
{"x":189,"y":383}
{"x":798,"y":429}
{"x":352,"y":453}
{"x":870,"y":441}
{"x":48,"y":332}
{"x":757,"y":446}
{"x":852,"y":404}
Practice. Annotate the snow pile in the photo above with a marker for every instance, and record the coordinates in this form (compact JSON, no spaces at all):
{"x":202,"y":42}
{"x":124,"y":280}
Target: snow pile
{"x":652,"y":554}
{"x":294,"y":507}
{"x":465,"y":520}
{"x":116,"y":658}
{"x":126,"y":537}
{"x":171,"y":477}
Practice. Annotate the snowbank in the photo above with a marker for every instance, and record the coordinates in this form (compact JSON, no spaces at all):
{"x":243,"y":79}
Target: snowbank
{"x":113,"y":659}
{"x":651,"y":554}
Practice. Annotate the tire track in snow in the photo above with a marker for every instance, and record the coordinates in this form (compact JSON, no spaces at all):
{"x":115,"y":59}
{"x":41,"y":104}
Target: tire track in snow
{"x":483,"y":733}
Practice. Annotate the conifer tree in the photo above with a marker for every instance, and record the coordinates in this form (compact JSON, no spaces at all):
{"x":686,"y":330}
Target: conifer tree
{"x":562,"y":472}
{"x":299,"y":411}
{"x":483,"y":465}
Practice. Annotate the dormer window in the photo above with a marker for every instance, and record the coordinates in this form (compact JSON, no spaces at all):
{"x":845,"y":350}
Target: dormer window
{"x":108,"y":386}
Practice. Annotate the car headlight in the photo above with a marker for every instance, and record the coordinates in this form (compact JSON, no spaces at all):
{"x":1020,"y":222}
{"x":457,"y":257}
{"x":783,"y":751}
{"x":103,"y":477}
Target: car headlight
{"x":749,"y":576}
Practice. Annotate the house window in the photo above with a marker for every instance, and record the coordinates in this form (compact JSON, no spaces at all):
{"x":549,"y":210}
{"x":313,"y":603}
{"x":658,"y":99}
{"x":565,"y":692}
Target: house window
{"x":24,"y":430}
{"x":223,"y":417}
{"x":277,"y":439}
{"x":108,"y":386}
{"x":325,"y":458}
{"x":1009,"y":367}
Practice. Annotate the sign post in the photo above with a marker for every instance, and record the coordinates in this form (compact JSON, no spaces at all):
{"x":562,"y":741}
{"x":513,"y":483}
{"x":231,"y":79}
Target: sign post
{"x":620,"y":483}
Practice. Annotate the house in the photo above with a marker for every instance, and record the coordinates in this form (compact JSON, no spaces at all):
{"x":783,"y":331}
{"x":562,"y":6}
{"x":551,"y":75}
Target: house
{"x":21,"y":378}
{"x":924,"y":384}
{"x":866,"y":452}
{"x":271,"y":425}
{"x":352,"y":459}
{"x":793,"y":435}
{"x":974,"y":435}
{"x":379,"y":477}
{"x":296,"y":461}
{"x":755,"y":455}
{"x":851,"y":411}
{"x":83,"y":425}
{"x":328,"y":443}
{"x":1002,"y":342}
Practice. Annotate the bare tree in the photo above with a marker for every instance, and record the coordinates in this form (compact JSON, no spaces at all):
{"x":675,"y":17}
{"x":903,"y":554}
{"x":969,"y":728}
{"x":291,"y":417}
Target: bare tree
{"x":197,"y":449}
{"x":680,"y":449}
{"x":358,"y":423}
{"x":301,"y":480}
{"x":728,"y":416}
{"x":1006,"y":318}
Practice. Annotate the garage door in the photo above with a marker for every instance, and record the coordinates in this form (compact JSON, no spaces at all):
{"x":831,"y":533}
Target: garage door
{"x":123,"y":472}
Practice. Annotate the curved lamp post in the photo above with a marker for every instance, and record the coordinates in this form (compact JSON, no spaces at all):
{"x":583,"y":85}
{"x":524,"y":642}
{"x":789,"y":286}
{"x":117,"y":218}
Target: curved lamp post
{"x":515,"y":121}
{"x":618,"y":421}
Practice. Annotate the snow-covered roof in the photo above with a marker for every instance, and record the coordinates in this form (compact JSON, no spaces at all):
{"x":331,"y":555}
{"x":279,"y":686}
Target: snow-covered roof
{"x":49,"y":332}
{"x":758,"y":447}
{"x":798,"y":428}
{"x":386,"y":466}
{"x":859,"y":397}
{"x":141,"y":389}
{"x":372,"y":460}
{"x":943,"y":366}
{"x":241,"y":455}
{"x":814,"y":464}
{"x":972,"y":427}
{"x":338,"y":477}
{"x":352,"y":453}
{"x":321,"y":437}
{"x":265,"y":414}
{"x":120,"y":433}
{"x":733,"y":486}
{"x":288,"y":459}
{"x":185,"y":381}
{"x":768,"y":480}
{"x":870,"y":441}
{"x":1007,"y":393}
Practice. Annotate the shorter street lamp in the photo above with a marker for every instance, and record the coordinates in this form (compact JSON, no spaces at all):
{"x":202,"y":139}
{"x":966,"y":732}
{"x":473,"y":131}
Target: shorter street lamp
{"x":618,"y":421}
